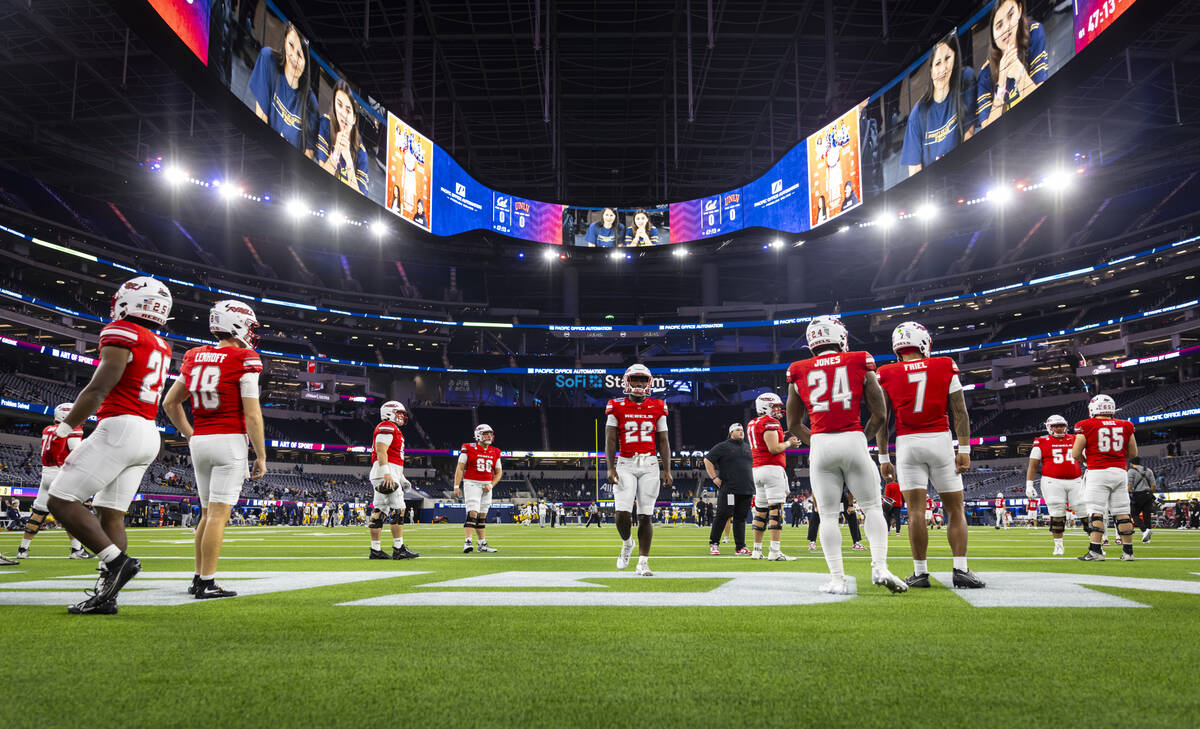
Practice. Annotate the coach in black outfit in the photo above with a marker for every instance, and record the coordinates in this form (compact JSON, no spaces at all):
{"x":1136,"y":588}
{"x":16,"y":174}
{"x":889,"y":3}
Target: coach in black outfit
{"x":731,"y":467}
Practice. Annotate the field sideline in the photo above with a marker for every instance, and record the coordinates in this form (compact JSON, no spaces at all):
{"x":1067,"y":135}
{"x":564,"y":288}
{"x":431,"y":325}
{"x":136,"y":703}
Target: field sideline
{"x":295,"y":654}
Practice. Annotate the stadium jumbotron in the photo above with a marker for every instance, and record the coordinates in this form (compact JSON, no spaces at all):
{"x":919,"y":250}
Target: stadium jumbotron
{"x":877,"y":315}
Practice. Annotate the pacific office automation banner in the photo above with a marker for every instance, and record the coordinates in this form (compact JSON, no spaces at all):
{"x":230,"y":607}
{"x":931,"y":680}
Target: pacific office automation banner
{"x":189,"y":20}
{"x":835,"y":175}
{"x":409,"y":172}
{"x":460,"y":202}
{"x":777,"y":199}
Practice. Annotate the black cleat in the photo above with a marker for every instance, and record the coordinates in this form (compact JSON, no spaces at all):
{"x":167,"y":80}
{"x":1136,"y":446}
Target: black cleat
{"x":195,"y":585}
{"x":210,"y":590}
{"x":967,"y":580}
{"x":377,"y":554}
{"x":94,"y":606}
{"x":402,"y":552}
{"x":467,"y":549}
{"x":1090,"y":556}
{"x":22,"y":553}
{"x":113,"y":579}
{"x":80,"y":554}
{"x":915,"y":580}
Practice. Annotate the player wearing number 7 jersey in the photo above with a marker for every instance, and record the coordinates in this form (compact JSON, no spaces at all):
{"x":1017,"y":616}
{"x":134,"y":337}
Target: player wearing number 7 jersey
{"x":1103,"y":442}
{"x":637,"y":451}
{"x":920,"y":389}
{"x":831,"y":386}
{"x":477,"y":474}
{"x":107,"y":467}
{"x":222,"y":384}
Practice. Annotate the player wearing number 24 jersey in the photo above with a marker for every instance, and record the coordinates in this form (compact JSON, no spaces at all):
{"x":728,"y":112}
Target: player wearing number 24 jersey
{"x":124,"y":393}
{"x":1106,"y":441}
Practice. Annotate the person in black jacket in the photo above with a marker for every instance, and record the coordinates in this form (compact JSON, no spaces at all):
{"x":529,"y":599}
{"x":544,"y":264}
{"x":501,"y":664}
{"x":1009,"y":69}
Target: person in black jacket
{"x":730,"y":466}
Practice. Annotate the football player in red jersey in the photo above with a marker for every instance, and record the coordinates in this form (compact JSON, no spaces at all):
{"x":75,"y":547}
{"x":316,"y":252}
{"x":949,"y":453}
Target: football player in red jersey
{"x":477,"y":474}
{"x":769,"y":451}
{"x":639,"y":461}
{"x":1062,"y":478}
{"x":1103,"y":443}
{"x":920,"y":388}
{"x":831,"y":386}
{"x":123,"y":393}
{"x":54,"y":452}
{"x":222,"y":383}
{"x":387,"y":476}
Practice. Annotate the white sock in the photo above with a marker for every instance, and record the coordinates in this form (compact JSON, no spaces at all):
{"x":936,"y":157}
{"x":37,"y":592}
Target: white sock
{"x":483,"y":542}
{"x":628,"y":543}
{"x":758,"y":547}
{"x":774,"y":547}
{"x":25,"y":543}
{"x":830,"y":533}
{"x":876,"y":528}
{"x":397,"y":542}
{"x":960,"y":563}
{"x":375,"y":545}
{"x":208,"y":578}
{"x":75,"y":545}
{"x":920,"y":567}
{"x":467,"y":541}
{"x":109,"y":553}
{"x":643,"y":560}
{"x":1058,"y":541}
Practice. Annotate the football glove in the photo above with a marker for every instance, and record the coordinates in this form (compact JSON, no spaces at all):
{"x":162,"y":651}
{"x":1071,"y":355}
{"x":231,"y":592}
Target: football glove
{"x":1030,"y":491}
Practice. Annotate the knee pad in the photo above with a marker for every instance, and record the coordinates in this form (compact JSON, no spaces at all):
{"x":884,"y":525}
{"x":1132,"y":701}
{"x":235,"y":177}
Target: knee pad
{"x":480,"y":524}
{"x":397,"y":517}
{"x":376,"y":520}
{"x":1058,"y":524}
{"x":38,"y":514}
{"x":1121,"y":526}
{"x":776,"y":522}
{"x":1095,"y":519}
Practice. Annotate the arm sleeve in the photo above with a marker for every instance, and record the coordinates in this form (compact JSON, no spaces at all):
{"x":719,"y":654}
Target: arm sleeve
{"x":248,"y":384}
{"x":73,"y":442}
{"x":384,"y":438}
{"x":260,"y":79}
{"x":324,"y":130}
{"x":1035,"y":453}
{"x":910,"y":153}
{"x":462,"y":457}
{"x":661,"y":425}
{"x":611,"y":422}
{"x":498,"y":466}
{"x":955,"y":385}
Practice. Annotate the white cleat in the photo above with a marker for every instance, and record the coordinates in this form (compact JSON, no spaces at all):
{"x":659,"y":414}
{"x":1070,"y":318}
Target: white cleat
{"x":780,"y":557}
{"x":836,"y":586}
{"x":1059,"y":550}
{"x":623,"y":558}
{"x":757,"y":554}
{"x":1146,"y":537}
{"x":1126,"y":557}
{"x":643,"y":569}
{"x":887,"y":579}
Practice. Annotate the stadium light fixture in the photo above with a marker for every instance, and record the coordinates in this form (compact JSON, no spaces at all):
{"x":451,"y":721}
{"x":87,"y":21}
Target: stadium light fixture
{"x":175,"y":175}
{"x":928,"y":211}
{"x":885,"y":220}
{"x":844,"y":229}
{"x":549,"y":254}
{"x":520,"y":254}
{"x":296,"y":207}
{"x":679,"y":252}
{"x":229,"y":191}
{"x":1001,"y":194}
{"x":777,"y":244}
{"x":616,"y":255}
{"x":379,"y":228}
{"x":1057,"y":180}
{"x":336,"y":218}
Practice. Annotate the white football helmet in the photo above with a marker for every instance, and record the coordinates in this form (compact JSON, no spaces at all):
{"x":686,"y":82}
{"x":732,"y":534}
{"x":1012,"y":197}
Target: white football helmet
{"x":234,"y":319}
{"x":769,"y":403}
{"x":60,"y":412}
{"x":826,"y":330}
{"x":641,"y":386}
{"x":143,"y":297}
{"x":1102,"y":405}
{"x":911,"y":335}
{"x":394,"y":411}
{"x":1053,"y":421}
{"x":484,"y":434}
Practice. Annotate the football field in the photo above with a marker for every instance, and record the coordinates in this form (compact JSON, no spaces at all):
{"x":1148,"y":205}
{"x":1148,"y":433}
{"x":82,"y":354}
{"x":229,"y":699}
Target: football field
{"x":547,"y":633}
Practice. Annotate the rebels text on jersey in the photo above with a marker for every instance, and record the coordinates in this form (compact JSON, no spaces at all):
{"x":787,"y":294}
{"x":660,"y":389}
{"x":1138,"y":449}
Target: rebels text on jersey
{"x":389,"y":432}
{"x":1107,"y":439}
{"x":55,"y":449}
{"x":757,"y":432}
{"x":141,"y":384}
{"x":636,"y":424}
{"x":481,"y":462}
{"x":831,"y":387}
{"x":919,"y":390}
{"x":1056,"y":458}
{"x":217,"y":379}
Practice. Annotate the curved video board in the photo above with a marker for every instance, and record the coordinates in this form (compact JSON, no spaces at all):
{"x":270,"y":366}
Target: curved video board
{"x":998,"y":57}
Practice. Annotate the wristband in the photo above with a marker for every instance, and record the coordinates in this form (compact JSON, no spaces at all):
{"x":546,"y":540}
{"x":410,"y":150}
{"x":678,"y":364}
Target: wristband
{"x":885,"y":457}
{"x":63,"y":430}
{"x":965,"y":449}
{"x":1028,"y":485}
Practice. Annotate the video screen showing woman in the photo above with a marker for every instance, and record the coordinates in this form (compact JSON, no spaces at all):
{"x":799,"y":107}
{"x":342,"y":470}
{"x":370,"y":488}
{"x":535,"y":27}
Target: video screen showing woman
{"x":281,"y":86}
{"x":944,"y":115}
{"x":1017,"y":63}
{"x":605,"y":232}
{"x":339,"y":150}
{"x":642,"y":232}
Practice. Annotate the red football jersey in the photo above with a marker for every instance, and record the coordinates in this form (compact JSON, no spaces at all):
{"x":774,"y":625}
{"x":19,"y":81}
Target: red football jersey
{"x":637,"y":424}
{"x":832,"y":387}
{"x":1056,"y":458}
{"x":756,"y":431}
{"x":395,"y":451}
{"x":1107,"y":439}
{"x":998,"y":503}
{"x":1031,"y":505}
{"x":919,"y":390}
{"x":141,"y":384}
{"x":54,"y":449}
{"x":929,"y":504}
{"x":213,"y":375}
{"x":481,"y":461}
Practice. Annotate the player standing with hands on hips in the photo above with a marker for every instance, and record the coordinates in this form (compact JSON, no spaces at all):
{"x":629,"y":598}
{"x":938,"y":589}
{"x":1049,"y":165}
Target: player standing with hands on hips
{"x":477,"y":474}
{"x":638,"y":453}
{"x":387,"y":476}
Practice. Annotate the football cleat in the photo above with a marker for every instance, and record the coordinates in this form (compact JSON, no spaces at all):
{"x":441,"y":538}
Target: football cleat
{"x":378,"y":554}
{"x":195,"y":585}
{"x":714,"y":549}
{"x":486,"y":548}
{"x":402,"y":552}
{"x":623,"y":557}
{"x":1058,"y":550}
{"x":918,"y":581}
{"x":836,"y":586}
{"x":94,"y":606}
{"x":5,"y":561}
{"x":1146,"y":537}
{"x":22,"y":553}
{"x":1090,"y":556}
{"x":80,"y":554}
{"x":812,"y":546}
{"x":212,"y":590}
{"x":756,"y":554}
{"x":643,"y":569}
{"x":111,"y":581}
{"x":893,"y":583}
{"x":780,"y":557}
{"x":743,"y":551}
{"x":858,"y":547}
{"x":467,"y":548}
{"x":967,"y":580}
{"x":1126,"y":557}
{"x":725,"y":540}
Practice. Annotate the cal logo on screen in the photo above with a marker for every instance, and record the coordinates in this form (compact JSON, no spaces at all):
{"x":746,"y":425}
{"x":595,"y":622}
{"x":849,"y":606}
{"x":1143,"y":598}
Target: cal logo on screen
{"x":711,"y":215}
{"x":502,"y":213}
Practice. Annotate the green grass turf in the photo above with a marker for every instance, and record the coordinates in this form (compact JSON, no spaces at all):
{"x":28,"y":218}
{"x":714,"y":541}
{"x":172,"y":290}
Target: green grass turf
{"x":297,"y":658}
